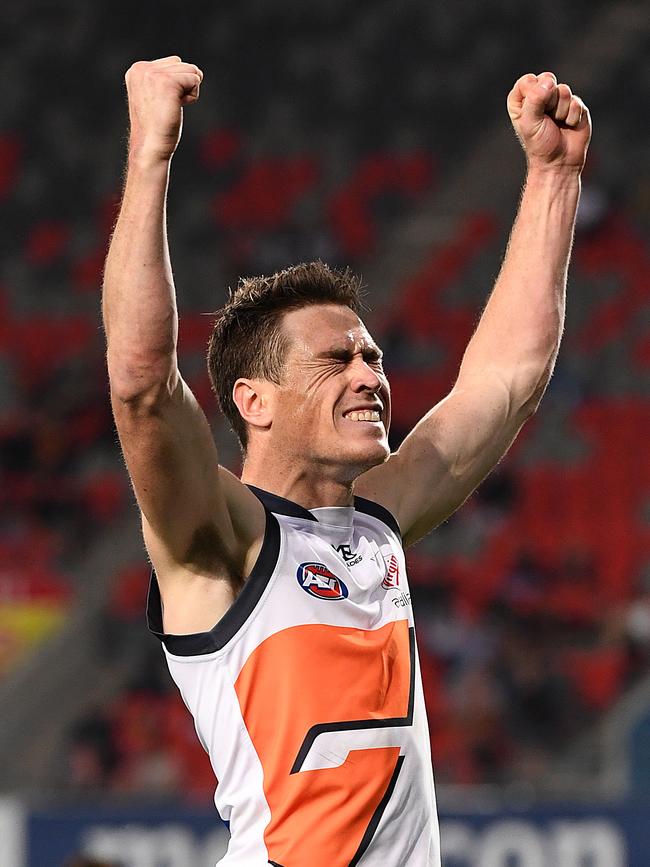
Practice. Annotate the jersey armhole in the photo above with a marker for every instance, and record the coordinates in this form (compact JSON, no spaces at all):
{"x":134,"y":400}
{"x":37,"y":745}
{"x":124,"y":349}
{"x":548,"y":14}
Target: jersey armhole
{"x":381,"y":513}
{"x":201,"y":643}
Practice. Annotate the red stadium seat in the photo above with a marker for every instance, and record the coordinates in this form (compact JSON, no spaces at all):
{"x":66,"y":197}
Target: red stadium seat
{"x":47,"y":241}
{"x":40,"y":343}
{"x":350,"y":208}
{"x":11,"y":148}
{"x":104,"y":495}
{"x":219,"y":147}
{"x":598,"y":674}
{"x":264,"y":197}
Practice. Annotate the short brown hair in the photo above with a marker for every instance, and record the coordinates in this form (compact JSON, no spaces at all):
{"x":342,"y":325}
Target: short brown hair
{"x":247,"y":338}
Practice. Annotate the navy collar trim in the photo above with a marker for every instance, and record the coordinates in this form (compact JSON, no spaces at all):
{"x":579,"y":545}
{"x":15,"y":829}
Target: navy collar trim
{"x":282,"y":506}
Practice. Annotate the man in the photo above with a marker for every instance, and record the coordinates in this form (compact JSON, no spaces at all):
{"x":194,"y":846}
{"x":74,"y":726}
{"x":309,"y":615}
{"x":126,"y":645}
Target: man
{"x":281,"y":598}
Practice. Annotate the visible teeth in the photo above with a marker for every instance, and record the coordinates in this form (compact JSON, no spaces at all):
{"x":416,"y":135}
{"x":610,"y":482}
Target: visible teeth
{"x":364,"y":415}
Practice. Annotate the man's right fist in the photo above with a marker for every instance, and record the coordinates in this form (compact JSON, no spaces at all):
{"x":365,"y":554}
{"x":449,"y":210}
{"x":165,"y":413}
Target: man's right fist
{"x":157,"y":91}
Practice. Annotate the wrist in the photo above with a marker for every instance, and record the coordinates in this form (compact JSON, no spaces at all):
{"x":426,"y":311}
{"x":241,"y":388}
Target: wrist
{"x":148,"y":161}
{"x":145,"y":153}
{"x":545,"y":181}
{"x":553,"y":172}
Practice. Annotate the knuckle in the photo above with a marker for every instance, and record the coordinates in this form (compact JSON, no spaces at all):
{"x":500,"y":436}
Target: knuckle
{"x":135,"y":71}
{"x":529,"y":78}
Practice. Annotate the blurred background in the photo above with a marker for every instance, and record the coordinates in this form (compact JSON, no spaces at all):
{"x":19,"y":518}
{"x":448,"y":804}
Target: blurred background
{"x":375,"y":135}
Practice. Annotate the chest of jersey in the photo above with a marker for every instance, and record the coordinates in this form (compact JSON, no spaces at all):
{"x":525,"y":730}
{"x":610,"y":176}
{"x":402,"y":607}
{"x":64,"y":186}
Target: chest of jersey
{"x":308,"y":698}
{"x":346,"y":573}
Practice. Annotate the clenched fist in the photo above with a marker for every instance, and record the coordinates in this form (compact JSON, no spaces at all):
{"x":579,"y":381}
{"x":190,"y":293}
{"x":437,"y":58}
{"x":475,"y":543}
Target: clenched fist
{"x":157,"y":91}
{"x":552,"y":124}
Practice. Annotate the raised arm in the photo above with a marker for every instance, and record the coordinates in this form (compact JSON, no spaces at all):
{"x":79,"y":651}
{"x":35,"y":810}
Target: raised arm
{"x":190,"y":509}
{"x":510,"y":358}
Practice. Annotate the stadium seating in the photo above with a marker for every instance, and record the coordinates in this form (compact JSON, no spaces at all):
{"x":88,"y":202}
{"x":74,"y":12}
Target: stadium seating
{"x":265,"y":180}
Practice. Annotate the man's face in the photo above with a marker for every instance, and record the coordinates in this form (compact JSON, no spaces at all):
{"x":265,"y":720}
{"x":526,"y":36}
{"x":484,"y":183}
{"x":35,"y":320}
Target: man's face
{"x":333,"y":406}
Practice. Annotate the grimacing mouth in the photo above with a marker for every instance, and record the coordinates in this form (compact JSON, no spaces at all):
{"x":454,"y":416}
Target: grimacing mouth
{"x":373,"y":412}
{"x":363,"y":415}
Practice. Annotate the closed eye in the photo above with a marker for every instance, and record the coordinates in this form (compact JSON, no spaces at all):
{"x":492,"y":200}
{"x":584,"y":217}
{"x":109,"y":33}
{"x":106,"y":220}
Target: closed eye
{"x":373,"y":357}
{"x":346,"y":356}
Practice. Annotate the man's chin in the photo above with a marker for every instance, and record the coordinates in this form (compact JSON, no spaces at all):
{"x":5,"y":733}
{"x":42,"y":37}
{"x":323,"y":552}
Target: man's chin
{"x":364,"y":456}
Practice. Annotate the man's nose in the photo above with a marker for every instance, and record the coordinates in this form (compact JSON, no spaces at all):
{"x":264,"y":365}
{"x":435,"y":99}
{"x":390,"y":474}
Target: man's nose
{"x":364,"y":377}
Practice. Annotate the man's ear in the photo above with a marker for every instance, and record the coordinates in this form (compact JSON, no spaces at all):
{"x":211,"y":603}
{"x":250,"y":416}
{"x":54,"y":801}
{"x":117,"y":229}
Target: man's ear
{"x":254,"y":400}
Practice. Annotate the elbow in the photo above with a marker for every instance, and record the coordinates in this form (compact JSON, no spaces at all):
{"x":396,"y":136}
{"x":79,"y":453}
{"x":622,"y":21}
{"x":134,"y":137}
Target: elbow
{"x":139,"y":402}
{"x":529,"y":384}
{"x":530,"y":394}
{"x":530,"y":406}
{"x":142,"y":386}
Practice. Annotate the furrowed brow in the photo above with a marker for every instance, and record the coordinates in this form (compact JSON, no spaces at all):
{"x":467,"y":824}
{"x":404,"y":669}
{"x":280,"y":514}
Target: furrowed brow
{"x":339,"y":353}
{"x":344,"y":353}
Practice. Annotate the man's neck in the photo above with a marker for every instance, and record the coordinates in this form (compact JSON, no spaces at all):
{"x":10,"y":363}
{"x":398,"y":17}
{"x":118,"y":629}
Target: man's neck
{"x":308,"y":487}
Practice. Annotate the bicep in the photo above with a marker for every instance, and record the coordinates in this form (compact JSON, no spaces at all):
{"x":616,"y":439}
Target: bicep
{"x":172,"y":461}
{"x":445,"y":457}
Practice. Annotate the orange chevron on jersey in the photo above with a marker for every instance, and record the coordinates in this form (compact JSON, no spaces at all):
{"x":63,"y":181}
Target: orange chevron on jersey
{"x":307,"y":696}
{"x":345,"y":678}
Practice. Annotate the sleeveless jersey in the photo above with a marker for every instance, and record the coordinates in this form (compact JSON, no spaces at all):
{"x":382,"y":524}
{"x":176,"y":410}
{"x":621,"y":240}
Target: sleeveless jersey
{"x":307,"y":696}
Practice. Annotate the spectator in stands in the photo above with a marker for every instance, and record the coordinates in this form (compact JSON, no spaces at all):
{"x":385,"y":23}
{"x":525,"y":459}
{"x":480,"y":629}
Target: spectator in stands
{"x":636,"y":629}
{"x":543,"y":711}
{"x":525,"y":585}
{"x":497,"y":495}
{"x":574,"y":597}
{"x":447,"y":631}
{"x":92,"y":754}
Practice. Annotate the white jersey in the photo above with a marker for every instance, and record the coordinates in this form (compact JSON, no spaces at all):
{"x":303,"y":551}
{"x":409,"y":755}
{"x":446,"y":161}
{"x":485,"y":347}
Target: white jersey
{"x":307,"y":696}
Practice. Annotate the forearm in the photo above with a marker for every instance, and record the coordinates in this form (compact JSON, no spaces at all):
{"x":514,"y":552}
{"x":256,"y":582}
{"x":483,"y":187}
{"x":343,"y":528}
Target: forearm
{"x":139,"y":305}
{"x":519,"y":333}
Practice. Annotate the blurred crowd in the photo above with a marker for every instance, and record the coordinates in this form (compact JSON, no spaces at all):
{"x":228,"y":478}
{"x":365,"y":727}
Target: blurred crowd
{"x":533,"y":603}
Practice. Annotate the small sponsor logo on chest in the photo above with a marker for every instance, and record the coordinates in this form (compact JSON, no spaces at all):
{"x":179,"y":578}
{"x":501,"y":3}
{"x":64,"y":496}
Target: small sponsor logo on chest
{"x":391,"y":578}
{"x":350,"y":557}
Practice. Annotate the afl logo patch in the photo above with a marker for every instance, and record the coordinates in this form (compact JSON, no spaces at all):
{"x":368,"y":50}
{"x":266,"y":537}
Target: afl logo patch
{"x":317,"y":580}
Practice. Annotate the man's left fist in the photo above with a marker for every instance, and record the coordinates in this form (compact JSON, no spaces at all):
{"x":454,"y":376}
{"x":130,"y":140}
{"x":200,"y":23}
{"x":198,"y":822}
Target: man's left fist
{"x":552,"y":124}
